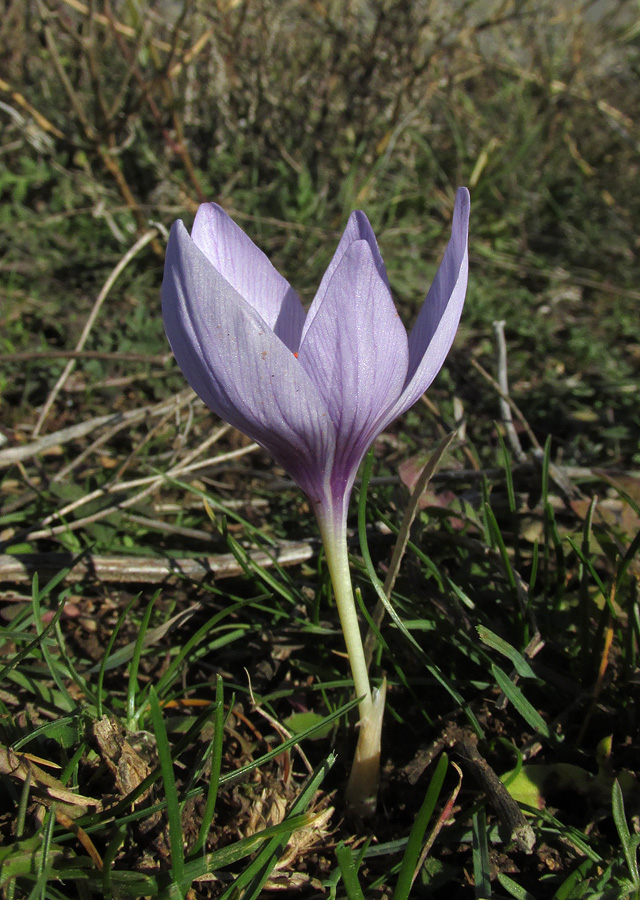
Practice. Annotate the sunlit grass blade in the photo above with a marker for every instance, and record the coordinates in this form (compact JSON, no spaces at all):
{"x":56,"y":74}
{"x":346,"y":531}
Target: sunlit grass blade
{"x":214,"y":775}
{"x":575,"y":880}
{"x":241,"y":849}
{"x":513,"y":693}
{"x":121,"y":809}
{"x":412,"y":506}
{"x":481,"y":862}
{"x":132,"y":686}
{"x":426,"y":560}
{"x":44,"y":864}
{"x":589,"y":564}
{"x":629,"y":843}
{"x":108,"y":859}
{"x":514,"y":889}
{"x":402,"y":537}
{"x":196,"y":639}
{"x":252,"y":569}
{"x":416,"y":836}
{"x":379,"y":589}
{"x":52,"y":663}
{"x":43,"y":635}
{"x":349,"y":872}
{"x":498,"y":541}
{"x":495,"y":642}
{"x":176,"y":839}
{"x":107,"y":656}
{"x":187,"y":487}
{"x":80,"y":681}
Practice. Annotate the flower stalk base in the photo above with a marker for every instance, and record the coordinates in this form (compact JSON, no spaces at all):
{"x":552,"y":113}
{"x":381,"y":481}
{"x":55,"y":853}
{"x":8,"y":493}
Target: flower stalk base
{"x":362,"y":789}
{"x":364,"y":781}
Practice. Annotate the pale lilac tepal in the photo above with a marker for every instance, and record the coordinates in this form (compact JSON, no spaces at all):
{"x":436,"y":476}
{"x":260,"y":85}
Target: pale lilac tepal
{"x":315,"y":389}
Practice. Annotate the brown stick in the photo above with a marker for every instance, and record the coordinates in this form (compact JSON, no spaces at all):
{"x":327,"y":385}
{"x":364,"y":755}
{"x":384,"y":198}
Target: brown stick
{"x":511,"y":817}
{"x":11,"y":455}
{"x":21,"y":568}
{"x":122,"y":264}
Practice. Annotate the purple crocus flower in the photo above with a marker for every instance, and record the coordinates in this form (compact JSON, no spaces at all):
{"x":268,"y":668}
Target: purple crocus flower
{"x":315,"y":389}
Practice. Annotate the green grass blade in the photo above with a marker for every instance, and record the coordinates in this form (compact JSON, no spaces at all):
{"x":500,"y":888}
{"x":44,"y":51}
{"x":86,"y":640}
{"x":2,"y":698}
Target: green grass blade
{"x":495,"y":642}
{"x":107,"y":656}
{"x":498,"y":540}
{"x":514,"y":889}
{"x":349,"y":872}
{"x":513,"y":693}
{"x":629,"y":844}
{"x":171,"y":797}
{"x":132,"y":687}
{"x":214,"y":776}
{"x":481,"y":862}
{"x":577,"y":878}
{"x":397,"y":621}
{"x":416,"y":836}
{"x":177,"y":662}
{"x":32,"y":645}
{"x":52,"y":664}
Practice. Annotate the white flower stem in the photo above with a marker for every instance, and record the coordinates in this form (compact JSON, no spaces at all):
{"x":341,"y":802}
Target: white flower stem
{"x":363,"y":782}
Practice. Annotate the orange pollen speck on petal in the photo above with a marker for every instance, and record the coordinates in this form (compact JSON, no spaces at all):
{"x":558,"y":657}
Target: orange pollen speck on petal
{"x":296,"y":355}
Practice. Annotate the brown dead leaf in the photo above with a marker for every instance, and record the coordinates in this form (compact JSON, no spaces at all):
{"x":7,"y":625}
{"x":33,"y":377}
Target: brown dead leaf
{"x":125,"y":764}
{"x":45,"y":788}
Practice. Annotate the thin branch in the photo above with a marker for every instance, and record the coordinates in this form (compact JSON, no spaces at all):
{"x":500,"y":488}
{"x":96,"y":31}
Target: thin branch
{"x":152,"y":483}
{"x":503,"y":381}
{"x":511,"y":818}
{"x":12,"y":455}
{"x":121,"y":266}
{"x":103,"y":20}
{"x":514,"y":408}
{"x":20,"y":569}
{"x":39,"y":119}
{"x":402,"y":540}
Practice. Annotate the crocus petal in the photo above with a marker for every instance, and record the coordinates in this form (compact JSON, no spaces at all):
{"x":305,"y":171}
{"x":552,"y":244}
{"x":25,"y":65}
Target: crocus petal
{"x":250,"y":272}
{"x":356,"y":355}
{"x":358,"y":229}
{"x":435,"y":328}
{"x":241,"y":369}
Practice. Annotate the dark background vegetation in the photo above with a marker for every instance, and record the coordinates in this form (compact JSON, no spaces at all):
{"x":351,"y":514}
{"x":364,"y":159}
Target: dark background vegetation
{"x":119,"y":117}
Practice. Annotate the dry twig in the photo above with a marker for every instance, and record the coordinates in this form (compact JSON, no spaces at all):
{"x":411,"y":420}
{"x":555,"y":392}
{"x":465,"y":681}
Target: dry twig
{"x":121,"y":266}
{"x":21,"y":568}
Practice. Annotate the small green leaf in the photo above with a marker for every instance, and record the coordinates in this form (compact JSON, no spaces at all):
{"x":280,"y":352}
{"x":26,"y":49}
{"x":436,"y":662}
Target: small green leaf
{"x":492,"y":640}
{"x":513,"y":693}
{"x":513,"y":888}
{"x":299,"y":722}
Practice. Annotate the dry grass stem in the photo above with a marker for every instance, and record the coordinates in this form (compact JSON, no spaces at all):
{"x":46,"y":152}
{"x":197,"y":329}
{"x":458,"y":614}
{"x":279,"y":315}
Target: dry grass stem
{"x":102,"y":296}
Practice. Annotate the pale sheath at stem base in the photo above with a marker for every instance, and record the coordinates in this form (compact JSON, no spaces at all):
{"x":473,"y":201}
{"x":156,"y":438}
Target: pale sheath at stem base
{"x":364,"y":780}
{"x":362,"y":789}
